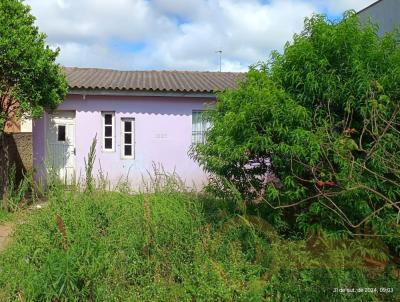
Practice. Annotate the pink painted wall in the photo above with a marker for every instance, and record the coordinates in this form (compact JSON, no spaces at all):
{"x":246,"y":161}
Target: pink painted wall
{"x":163,"y":134}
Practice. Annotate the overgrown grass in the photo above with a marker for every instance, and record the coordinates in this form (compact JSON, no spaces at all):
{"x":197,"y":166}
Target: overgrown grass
{"x":168,"y":246}
{"x":18,"y":193}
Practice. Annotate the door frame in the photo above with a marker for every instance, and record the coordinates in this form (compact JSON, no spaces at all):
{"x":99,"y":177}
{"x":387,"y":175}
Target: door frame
{"x":47,"y":118}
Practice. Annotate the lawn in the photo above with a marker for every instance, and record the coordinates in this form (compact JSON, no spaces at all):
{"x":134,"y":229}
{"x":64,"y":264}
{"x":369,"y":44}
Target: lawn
{"x":169,"y":246}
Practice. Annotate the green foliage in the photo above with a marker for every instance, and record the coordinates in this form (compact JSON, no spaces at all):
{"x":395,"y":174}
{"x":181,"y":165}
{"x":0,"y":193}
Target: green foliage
{"x":29,"y":75}
{"x":169,"y":246}
{"x":307,"y":147}
{"x":313,"y":133}
{"x":16,"y":193}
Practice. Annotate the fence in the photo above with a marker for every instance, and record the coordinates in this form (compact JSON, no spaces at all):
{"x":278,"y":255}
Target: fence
{"x":15,"y":148}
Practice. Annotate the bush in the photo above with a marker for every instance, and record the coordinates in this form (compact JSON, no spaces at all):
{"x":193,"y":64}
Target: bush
{"x":310,"y":138}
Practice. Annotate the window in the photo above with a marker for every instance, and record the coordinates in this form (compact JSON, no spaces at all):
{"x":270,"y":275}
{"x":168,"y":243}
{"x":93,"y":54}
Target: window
{"x":108,"y":131}
{"x":128,"y":137}
{"x":199,"y":126}
{"x":61,"y":133}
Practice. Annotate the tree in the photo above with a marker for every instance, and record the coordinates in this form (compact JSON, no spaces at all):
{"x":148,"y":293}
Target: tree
{"x":314,"y":133}
{"x":30,"y":80}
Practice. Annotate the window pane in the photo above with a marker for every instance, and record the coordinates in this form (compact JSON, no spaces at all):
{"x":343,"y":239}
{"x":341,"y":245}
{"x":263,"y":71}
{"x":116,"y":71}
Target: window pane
{"x":128,"y":138}
{"x":108,"y":119}
{"x":108,"y":131}
{"x":61,"y":133}
{"x":199,"y":126}
{"x":128,"y":126}
{"x":108,"y":143}
{"x":128,"y":150}
{"x":196,"y":119}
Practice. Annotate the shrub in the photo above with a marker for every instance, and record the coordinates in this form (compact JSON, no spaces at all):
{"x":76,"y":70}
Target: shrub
{"x":311,"y":135}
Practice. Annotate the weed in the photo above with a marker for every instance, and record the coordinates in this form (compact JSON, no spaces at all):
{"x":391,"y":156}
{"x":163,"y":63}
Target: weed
{"x":89,"y":165}
{"x":159,"y":180}
{"x":171,"y":244}
{"x":17,"y":193}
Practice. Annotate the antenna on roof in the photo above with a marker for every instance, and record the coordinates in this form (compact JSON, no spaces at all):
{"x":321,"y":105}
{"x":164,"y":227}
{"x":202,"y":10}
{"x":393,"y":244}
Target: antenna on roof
{"x":220,"y":59}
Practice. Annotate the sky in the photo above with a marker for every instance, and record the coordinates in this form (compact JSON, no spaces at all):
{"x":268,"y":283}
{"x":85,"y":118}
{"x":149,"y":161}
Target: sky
{"x":175,"y":34}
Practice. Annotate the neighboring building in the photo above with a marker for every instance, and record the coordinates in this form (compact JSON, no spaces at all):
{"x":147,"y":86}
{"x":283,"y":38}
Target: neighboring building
{"x":15,"y":125}
{"x":140,"y":118}
{"x":384,"y":12}
{"x":26,"y":125}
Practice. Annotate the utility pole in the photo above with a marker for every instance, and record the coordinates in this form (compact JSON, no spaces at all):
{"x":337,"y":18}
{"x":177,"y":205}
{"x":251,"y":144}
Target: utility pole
{"x":220,"y":59}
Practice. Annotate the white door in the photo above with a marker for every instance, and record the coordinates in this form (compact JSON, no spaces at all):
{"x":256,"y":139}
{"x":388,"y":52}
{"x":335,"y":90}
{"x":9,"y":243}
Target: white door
{"x":61,"y":145}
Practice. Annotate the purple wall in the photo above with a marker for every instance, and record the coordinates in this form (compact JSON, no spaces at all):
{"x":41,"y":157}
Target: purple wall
{"x":163,"y":129}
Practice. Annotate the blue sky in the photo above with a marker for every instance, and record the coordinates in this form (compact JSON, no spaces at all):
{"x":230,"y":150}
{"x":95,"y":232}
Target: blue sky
{"x":175,"y":34}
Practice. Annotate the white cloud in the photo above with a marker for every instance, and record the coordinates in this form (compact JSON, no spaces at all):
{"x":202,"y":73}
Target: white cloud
{"x":246,"y":31}
{"x":97,"y":20}
{"x":171,"y":34}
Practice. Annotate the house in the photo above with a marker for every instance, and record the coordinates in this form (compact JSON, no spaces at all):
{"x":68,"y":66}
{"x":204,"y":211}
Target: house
{"x":140,"y":118}
{"x":16,"y":125}
{"x":21,"y":125}
{"x":386,"y":13}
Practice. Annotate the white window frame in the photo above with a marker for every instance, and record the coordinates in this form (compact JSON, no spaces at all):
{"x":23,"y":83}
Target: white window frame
{"x":133,"y":143}
{"x":203,"y":129}
{"x":103,"y":118}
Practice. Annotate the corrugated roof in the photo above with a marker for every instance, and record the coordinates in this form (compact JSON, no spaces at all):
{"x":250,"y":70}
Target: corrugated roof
{"x":161,"y":81}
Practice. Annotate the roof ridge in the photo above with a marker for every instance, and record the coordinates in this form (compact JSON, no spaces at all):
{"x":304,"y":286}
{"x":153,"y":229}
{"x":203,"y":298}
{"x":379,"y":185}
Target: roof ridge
{"x":153,"y":70}
{"x":176,"y":81}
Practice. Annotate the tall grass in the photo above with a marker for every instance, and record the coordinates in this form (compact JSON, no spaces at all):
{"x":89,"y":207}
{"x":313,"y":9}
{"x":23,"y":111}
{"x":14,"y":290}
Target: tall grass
{"x":18,"y":194}
{"x":167,"y":245}
{"x":89,"y":164}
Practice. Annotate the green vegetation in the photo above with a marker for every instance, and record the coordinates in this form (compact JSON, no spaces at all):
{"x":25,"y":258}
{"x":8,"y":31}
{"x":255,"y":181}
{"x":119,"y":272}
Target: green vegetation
{"x":4,"y":215}
{"x":311,"y":138}
{"x":16,"y":193}
{"x":29,"y":77}
{"x":170,"y":246}
{"x":304,"y":198}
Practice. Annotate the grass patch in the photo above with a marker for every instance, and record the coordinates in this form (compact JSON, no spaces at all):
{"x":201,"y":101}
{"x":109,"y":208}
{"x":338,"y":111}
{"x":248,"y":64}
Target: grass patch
{"x":167,"y":246}
{"x":5,"y":215}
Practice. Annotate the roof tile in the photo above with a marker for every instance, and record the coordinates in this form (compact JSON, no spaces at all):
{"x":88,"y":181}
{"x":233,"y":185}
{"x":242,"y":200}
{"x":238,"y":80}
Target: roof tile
{"x":170,"y":81}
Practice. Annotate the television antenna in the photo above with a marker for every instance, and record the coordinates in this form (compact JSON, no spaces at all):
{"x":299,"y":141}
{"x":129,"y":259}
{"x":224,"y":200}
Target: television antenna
{"x":220,"y":59}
